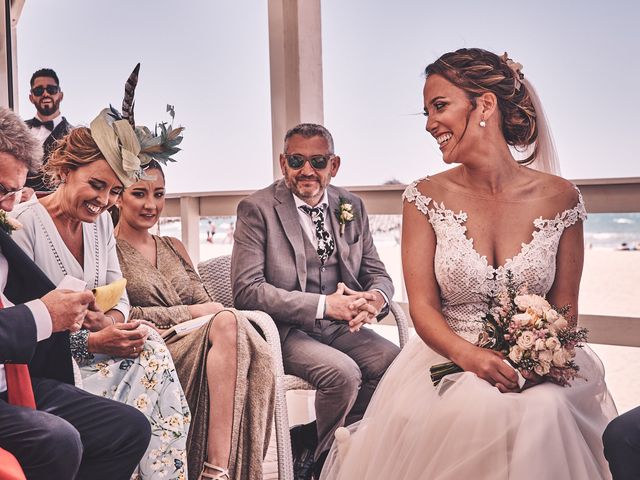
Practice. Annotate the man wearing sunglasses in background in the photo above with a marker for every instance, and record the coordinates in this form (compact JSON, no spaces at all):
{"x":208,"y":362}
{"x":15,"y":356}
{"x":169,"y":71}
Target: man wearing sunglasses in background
{"x":321,"y":280}
{"x":48,"y":125}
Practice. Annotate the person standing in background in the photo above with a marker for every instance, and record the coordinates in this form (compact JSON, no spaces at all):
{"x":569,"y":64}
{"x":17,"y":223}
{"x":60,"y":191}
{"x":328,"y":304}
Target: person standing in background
{"x":48,"y":125}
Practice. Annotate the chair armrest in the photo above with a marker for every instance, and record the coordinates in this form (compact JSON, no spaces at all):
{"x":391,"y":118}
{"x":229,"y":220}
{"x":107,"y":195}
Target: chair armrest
{"x":401,"y":322}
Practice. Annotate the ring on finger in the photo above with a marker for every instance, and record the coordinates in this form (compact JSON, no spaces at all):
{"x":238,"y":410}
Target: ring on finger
{"x":135,"y":349}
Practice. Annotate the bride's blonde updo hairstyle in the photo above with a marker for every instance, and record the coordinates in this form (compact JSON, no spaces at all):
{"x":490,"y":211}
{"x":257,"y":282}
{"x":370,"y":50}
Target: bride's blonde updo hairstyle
{"x":72,"y":151}
{"x":478,"y":71}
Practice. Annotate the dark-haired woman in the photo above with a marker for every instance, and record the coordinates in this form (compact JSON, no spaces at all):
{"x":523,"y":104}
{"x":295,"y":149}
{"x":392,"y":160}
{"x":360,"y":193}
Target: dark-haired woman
{"x":464,"y":230}
{"x":225,"y":366}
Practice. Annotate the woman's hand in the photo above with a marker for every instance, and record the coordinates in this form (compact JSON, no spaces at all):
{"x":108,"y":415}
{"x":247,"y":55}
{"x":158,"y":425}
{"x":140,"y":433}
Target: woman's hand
{"x":95,"y":320}
{"x":119,"y":340}
{"x":490,"y":366}
{"x":202,"y":309}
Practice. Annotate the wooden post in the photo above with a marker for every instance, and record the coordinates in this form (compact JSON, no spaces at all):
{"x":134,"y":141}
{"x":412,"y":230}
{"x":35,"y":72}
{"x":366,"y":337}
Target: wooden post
{"x":295,"y":52}
{"x":190,"y":221}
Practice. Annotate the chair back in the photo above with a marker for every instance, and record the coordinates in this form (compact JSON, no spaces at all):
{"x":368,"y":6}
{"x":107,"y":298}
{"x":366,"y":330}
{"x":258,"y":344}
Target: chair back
{"x":216,"y":277}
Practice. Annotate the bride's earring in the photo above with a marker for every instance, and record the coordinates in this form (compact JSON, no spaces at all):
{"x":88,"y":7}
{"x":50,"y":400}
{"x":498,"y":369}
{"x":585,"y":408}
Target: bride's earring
{"x":483,"y":123}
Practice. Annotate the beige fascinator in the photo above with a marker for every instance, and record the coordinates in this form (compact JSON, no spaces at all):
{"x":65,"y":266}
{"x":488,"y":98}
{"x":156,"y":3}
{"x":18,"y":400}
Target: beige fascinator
{"x":127,"y":147}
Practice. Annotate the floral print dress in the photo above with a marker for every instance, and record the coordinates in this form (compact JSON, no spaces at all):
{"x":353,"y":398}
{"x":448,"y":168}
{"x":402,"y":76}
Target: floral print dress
{"x":148,"y":382}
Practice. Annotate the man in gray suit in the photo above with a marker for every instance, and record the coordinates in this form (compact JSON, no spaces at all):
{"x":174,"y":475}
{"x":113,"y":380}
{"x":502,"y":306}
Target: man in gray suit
{"x":319,"y":277}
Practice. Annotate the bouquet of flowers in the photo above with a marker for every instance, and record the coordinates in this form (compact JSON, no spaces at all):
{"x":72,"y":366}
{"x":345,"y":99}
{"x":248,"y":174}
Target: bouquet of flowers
{"x":531,"y":334}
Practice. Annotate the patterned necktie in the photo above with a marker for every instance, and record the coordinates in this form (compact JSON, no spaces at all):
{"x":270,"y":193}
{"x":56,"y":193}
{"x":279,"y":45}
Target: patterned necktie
{"x":36,"y":122}
{"x":19,"y":390}
{"x":325,"y":242}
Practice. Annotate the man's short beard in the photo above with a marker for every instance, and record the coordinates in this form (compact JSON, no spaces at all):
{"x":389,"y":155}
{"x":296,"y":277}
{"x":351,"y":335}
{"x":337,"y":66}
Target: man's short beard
{"x":45,"y":111}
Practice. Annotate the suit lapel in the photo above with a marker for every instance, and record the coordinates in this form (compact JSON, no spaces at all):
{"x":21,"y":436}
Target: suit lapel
{"x":342,"y":247}
{"x":288,"y":215}
{"x":25,"y":282}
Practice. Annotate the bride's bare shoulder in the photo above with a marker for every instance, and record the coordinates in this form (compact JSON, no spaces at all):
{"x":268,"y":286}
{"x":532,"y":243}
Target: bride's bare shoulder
{"x":436,"y":186}
{"x":554,"y":190}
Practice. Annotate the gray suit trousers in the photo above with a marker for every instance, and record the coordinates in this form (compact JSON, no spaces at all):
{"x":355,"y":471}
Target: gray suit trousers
{"x":344,"y":367}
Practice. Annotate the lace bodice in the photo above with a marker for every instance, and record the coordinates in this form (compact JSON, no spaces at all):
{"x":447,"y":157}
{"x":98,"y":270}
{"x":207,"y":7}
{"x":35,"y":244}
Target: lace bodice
{"x":465,"y":278}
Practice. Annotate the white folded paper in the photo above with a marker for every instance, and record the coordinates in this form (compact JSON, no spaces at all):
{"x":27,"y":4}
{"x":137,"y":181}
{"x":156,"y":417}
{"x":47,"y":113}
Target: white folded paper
{"x":72,"y":283}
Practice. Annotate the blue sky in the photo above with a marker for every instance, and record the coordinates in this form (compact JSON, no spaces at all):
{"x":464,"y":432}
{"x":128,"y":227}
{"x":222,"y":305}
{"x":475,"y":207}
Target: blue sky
{"x":210,"y":59}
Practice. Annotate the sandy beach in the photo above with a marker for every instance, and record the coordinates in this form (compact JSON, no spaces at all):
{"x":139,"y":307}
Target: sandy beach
{"x":610,"y":286}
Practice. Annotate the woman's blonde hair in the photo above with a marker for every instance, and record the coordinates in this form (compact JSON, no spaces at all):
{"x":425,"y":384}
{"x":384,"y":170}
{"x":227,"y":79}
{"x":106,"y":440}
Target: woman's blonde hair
{"x":72,"y":151}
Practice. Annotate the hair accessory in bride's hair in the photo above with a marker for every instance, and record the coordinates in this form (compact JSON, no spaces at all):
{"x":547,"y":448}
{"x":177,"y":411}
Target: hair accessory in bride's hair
{"x":127,"y":147}
{"x":516,"y":68}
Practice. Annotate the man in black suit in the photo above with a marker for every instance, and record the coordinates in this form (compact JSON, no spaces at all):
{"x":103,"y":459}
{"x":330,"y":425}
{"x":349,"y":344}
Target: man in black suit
{"x":622,"y":445}
{"x":70,"y":434}
{"x":48,"y":125}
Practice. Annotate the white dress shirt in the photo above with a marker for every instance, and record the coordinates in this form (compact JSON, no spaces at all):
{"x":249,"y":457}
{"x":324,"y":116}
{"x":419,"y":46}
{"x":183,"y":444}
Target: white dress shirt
{"x":37,"y":307}
{"x":309,"y":230}
{"x":41,"y":133}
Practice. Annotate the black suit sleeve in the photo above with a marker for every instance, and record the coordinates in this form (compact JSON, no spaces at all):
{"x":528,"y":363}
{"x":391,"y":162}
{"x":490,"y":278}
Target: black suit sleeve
{"x":25,"y":282}
{"x":18,"y":336}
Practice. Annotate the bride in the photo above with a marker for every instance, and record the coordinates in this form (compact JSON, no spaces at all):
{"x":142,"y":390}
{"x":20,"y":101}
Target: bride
{"x":463,"y":230}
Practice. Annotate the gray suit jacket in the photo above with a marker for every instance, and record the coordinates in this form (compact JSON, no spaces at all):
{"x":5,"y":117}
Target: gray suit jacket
{"x":269,"y":267}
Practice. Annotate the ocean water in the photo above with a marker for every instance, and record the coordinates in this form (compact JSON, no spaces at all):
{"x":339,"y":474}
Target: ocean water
{"x":611,"y":230}
{"x":601,"y":230}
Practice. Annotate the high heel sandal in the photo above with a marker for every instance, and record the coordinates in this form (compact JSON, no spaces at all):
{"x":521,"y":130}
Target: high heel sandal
{"x":223,"y":473}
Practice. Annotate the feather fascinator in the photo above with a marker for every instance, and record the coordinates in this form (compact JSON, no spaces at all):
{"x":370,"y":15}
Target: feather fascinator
{"x":127,"y":147}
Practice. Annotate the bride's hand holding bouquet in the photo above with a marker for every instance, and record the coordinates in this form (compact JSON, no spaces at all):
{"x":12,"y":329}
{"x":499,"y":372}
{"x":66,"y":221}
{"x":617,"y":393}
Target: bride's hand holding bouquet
{"x":530,"y":335}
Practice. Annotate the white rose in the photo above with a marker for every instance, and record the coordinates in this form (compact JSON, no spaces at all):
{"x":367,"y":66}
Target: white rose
{"x":522,"y":319}
{"x":545,"y":356}
{"x":535,"y":302}
{"x":348,"y":216}
{"x":515,"y":354}
{"x":553,"y":344}
{"x":561,"y":323}
{"x":559,"y":358}
{"x":526,"y":340}
{"x":540,"y":345}
{"x":551,"y":315}
{"x":542,"y":368}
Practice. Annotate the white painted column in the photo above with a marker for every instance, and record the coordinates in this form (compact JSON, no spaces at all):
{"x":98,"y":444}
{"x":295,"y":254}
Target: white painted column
{"x":190,"y":221}
{"x":295,"y":51}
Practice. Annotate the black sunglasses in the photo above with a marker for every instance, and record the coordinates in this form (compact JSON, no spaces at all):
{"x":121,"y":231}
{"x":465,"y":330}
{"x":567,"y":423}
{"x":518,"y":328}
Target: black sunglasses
{"x":51,"y":90}
{"x":319,"y":162}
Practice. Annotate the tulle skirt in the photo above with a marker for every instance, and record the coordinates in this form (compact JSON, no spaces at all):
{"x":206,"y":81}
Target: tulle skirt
{"x":465,"y":429}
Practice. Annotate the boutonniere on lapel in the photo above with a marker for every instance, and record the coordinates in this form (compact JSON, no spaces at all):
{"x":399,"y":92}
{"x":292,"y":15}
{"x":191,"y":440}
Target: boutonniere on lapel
{"x":8,"y":224}
{"x":345,"y":214}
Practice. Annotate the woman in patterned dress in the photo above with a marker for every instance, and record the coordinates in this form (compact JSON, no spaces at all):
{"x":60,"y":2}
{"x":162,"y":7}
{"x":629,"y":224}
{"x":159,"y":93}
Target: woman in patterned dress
{"x":70,"y":232}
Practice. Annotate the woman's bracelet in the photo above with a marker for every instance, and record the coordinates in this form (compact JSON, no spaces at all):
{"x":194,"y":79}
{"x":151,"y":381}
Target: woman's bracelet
{"x":113,"y":320}
{"x":80,"y":346}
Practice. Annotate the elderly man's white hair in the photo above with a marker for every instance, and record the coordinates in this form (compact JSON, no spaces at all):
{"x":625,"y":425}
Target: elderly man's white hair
{"x":17,"y":140}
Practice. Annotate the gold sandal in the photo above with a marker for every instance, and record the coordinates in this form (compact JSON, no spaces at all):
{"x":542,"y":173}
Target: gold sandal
{"x":223,"y":473}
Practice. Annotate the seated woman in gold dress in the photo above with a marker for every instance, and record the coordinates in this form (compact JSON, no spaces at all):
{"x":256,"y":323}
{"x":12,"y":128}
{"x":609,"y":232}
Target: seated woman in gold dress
{"x":225,"y":366}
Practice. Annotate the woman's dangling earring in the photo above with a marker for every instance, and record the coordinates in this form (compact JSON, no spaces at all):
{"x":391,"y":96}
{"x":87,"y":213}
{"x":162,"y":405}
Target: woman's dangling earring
{"x":483,"y":123}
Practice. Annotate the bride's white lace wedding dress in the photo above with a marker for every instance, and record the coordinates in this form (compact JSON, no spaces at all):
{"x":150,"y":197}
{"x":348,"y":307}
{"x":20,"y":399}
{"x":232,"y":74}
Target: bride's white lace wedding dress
{"x":465,"y":429}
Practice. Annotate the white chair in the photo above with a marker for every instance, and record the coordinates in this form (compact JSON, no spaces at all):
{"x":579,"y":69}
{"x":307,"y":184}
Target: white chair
{"x":216,"y":277}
